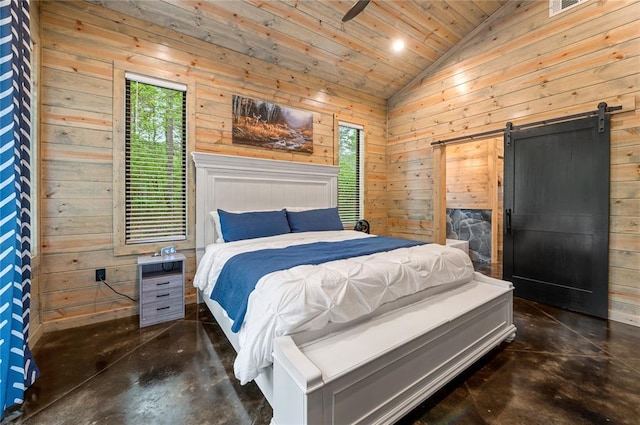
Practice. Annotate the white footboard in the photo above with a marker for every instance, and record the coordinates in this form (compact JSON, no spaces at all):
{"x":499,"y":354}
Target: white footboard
{"x":379,"y":370}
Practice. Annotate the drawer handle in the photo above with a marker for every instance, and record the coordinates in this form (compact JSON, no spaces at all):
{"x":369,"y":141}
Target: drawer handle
{"x":163,"y":308}
{"x":163,"y":283}
{"x":162,"y":295}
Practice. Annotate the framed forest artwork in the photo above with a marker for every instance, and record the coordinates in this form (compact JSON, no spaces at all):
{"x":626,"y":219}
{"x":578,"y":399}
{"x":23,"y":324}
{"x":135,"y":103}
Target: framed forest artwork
{"x":270,"y":126}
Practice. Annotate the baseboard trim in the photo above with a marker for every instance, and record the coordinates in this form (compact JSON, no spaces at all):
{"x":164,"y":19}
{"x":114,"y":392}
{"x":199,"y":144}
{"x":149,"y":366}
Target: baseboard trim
{"x":624,"y":318}
{"x":34,"y":334}
{"x":90,"y":319}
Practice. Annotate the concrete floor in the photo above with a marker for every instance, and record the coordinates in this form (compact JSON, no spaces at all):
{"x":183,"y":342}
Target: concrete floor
{"x":563,"y":368}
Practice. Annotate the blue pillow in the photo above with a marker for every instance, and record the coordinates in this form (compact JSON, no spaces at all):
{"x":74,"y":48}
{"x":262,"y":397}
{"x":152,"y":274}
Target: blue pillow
{"x":255,"y":224}
{"x":314,"y":220}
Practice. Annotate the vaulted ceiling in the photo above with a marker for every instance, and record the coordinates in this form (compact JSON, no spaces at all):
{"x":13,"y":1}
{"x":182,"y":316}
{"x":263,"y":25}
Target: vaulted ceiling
{"x":309,"y":36}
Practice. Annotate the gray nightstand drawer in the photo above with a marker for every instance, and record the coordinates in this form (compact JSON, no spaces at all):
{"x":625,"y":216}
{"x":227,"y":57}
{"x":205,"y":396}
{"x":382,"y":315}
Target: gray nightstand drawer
{"x":162,"y":293}
{"x":161,"y":311}
{"x":161,"y":283}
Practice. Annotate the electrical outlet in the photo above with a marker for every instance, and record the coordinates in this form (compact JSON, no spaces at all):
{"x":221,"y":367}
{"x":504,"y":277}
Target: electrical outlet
{"x":101,"y":274}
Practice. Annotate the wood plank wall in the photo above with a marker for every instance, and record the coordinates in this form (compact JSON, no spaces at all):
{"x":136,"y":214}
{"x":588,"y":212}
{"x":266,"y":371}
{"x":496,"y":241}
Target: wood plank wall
{"x":81,"y":45}
{"x":527,"y":67}
{"x":474,"y":181}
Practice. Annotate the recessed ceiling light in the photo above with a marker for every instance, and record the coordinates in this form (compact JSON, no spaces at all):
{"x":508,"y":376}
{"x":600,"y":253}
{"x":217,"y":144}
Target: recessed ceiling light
{"x":398,"y":45}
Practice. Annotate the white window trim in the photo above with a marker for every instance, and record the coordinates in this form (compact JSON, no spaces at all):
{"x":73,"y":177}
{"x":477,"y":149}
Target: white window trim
{"x":155,"y":81}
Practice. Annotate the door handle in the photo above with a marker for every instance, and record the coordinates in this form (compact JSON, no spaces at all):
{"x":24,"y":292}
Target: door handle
{"x":508,"y":220}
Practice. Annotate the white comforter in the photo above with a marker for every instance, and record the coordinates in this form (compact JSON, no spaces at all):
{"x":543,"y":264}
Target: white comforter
{"x":308,"y":297}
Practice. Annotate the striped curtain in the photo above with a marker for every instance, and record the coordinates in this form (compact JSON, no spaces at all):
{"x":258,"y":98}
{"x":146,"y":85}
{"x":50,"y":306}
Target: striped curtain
{"x":17,"y":368}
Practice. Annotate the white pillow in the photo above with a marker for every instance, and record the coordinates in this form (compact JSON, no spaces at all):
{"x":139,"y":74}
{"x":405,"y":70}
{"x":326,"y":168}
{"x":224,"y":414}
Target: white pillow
{"x":216,"y":226}
{"x":300,"y":209}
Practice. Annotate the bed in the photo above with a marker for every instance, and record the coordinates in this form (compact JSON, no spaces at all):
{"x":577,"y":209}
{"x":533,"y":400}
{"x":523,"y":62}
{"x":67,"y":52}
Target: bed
{"x":370,"y":361}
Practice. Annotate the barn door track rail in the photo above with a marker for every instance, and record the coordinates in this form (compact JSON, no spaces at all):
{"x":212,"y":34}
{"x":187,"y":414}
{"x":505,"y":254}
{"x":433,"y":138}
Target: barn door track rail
{"x":602,"y":110}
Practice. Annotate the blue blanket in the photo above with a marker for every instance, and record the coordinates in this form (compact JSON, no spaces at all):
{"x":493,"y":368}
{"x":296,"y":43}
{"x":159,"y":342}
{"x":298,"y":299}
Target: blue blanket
{"x":241,"y":273}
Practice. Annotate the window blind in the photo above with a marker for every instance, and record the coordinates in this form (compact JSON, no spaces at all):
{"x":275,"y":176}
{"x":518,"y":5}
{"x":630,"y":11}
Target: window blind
{"x":155,"y":161}
{"x":350,"y":143}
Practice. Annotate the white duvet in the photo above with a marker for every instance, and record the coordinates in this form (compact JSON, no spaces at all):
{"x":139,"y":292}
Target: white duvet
{"x":309,"y":297}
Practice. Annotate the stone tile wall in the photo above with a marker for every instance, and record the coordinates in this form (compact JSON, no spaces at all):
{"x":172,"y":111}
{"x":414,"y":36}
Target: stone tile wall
{"x":473,"y":226}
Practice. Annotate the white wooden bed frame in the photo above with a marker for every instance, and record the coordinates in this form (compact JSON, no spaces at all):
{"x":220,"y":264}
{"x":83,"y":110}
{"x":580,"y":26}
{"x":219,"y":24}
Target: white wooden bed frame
{"x":373,"y":371}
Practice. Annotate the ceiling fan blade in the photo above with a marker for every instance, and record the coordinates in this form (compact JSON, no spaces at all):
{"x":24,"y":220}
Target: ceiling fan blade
{"x":355,"y":10}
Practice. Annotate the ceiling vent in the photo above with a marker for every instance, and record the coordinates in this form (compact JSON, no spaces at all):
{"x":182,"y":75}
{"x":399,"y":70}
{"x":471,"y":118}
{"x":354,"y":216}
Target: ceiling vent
{"x":558,"y":6}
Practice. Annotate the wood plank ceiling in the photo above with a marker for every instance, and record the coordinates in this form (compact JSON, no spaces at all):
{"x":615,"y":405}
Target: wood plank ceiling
{"x":309,"y":36}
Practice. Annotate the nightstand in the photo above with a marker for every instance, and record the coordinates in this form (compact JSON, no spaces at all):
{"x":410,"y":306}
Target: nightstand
{"x":161,"y":280}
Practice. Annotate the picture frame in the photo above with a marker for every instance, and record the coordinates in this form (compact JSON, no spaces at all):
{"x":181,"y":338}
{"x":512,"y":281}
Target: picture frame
{"x":270,"y":126}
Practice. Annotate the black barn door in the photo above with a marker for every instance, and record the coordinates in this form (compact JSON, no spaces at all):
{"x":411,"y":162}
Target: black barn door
{"x":556,"y":221}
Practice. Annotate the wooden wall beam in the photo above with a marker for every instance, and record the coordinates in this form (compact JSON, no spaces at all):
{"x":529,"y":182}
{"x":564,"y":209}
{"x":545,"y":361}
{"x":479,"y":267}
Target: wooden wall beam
{"x":440,"y":194}
{"x":492,"y":195}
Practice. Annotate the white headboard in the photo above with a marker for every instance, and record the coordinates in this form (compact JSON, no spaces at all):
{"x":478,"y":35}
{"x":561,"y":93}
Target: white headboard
{"x":237,"y":183}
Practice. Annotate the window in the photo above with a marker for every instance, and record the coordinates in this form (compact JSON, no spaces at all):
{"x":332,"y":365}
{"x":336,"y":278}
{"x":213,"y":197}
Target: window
{"x":155,"y":157}
{"x":350,"y":145}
